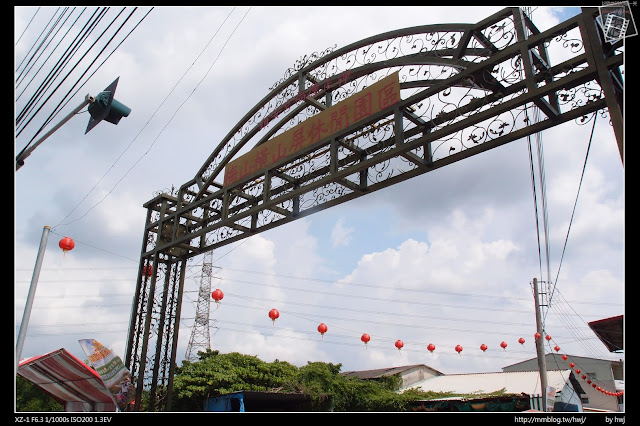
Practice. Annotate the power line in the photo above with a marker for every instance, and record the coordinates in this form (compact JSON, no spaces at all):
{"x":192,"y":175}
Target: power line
{"x":159,"y":134}
{"x":28,"y":25}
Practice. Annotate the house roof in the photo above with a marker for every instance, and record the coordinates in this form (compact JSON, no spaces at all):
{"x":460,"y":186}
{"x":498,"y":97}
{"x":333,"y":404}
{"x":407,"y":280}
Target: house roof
{"x":66,"y":379}
{"x":389,"y":371}
{"x":554,"y":361}
{"x":610,"y":332}
{"x":522,"y":382}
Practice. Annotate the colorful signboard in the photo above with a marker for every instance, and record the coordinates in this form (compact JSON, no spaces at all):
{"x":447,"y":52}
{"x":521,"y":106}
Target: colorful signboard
{"x":360,"y":106}
{"x":115,"y":376}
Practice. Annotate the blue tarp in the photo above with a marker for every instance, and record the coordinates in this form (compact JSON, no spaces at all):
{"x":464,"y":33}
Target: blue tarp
{"x":229,"y":402}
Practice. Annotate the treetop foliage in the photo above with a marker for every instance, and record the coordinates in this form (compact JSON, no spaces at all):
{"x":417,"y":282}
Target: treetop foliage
{"x":218,"y":374}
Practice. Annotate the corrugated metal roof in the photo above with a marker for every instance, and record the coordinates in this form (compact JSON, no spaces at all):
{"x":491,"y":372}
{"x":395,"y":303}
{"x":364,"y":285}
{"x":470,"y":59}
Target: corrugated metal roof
{"x":67,"y":380}
{"x":527,"y":382}
{"x":389,"y":371}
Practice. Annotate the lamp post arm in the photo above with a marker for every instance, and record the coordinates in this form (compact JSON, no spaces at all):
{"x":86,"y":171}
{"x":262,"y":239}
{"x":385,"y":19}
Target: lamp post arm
{"x":20,"y":158}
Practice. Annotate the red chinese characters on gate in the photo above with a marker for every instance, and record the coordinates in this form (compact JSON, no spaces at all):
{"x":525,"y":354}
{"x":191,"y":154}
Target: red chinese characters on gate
{"x":361,"y":105}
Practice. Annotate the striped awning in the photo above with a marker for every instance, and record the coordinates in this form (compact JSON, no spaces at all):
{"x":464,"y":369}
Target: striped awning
{"x":68,"y":380}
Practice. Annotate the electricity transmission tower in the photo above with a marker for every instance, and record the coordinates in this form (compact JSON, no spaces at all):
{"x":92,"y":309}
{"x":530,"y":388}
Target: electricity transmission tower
{"x":200,"y":337}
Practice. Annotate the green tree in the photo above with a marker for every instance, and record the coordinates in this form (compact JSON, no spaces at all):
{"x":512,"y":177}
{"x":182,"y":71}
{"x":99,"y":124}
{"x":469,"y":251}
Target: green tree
{"x":217,"y":374}
{"x":30,"y":397}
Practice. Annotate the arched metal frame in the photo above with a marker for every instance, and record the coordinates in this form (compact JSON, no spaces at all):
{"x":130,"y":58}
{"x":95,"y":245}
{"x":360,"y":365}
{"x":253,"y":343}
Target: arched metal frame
{"x":465,"y":89}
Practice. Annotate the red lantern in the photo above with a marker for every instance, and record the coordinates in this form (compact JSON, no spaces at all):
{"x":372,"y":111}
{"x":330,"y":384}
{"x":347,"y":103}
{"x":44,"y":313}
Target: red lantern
{"x":503,"y":345}
{"x":217,"y":295}
{"x":274,"y":314}
{"x":577,"y":371}
{"x":66,"y":244}
{"x":431,"y":347}
{"x":365,"y":338}
{"x":571,"y":364}
{"x":564,"y":357}
{"x":584,"y":376}
{"x":458,"y":349}
{"x":147,"y":270}
{"x":322,"y":328}
{"x":483,"y":347}
{"x":399,"y":344}
{"x":589,"y":381}
{"x":537,"y":336}
{"x":547,"y":337}
{"x":556,"y":348}
{"x":521,"y":341}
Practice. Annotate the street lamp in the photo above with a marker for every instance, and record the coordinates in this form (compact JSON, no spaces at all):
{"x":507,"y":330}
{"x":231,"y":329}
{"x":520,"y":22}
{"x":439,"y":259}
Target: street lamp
{"x":104,"y":106}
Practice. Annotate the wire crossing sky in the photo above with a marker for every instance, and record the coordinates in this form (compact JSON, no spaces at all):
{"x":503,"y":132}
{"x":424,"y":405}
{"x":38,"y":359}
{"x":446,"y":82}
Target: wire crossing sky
{"x":445,"y":258}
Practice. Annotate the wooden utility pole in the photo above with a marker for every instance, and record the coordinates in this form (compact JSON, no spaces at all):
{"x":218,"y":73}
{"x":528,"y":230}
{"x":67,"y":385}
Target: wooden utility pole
{"x":542,"y":365}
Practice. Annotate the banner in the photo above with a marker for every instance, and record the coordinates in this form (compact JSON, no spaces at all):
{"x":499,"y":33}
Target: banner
{"x":115,"y":376}
{"x":375,"y":98}
{"x":551,"y":397}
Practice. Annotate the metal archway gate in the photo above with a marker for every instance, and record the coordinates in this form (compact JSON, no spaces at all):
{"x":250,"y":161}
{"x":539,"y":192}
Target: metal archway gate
{"x":347,"y":122}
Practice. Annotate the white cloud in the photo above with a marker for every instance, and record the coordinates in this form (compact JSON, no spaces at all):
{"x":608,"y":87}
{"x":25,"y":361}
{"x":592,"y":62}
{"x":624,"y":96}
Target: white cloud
{"x":453,"y":261}
{"x":341,"y":235}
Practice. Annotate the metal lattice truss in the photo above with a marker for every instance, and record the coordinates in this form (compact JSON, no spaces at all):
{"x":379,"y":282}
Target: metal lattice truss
{"x":464,"y":89}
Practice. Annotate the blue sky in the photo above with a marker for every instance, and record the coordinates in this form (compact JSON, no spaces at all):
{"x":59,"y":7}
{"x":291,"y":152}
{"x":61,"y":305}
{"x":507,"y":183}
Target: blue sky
{"x":447,"y":257}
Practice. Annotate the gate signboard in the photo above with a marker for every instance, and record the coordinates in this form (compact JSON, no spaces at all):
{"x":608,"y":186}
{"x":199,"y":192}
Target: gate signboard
{"x":358,"y":107}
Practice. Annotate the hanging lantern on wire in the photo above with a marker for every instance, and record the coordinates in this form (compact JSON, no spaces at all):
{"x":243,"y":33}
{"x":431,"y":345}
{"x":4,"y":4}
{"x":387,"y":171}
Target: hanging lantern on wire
{"x":274,"y":314}
{"x":66,"y":244}
{"x":483,"y":347}
{"x":564,"y":357}
{"x":556,"y":348}
{"x":521,"y":341}
{"x":365,"y":338}
{"x":217,"y":295}
{"x":322,"y":328}
{"x":547,"y":337}
{"x":458,"y":349}
{"x":537,"y":336}
{"x":399,"y":344}
{"x":431,"y":347}
{"x":503,"y":345}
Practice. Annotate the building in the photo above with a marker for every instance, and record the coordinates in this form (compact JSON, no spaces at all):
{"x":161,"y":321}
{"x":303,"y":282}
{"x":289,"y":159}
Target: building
{"x":514,"y":383}
{"x":410,"y":374}
{"x":604,"y":373}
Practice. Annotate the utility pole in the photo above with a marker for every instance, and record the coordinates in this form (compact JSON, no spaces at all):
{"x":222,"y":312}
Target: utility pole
{"x":32,"y":292}
{"x":542,"y":364}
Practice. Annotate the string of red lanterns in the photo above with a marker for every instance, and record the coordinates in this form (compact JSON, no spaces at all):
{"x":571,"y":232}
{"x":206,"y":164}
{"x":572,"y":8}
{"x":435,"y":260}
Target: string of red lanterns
{"x":67,"y":244}
{"x":217,"y":295}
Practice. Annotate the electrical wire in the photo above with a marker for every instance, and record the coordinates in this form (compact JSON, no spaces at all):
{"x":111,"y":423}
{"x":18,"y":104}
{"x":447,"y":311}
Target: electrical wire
{"x":36,"y":41}
{"x":67,"y":55}
{"x":159,"y":134}
{"x":68,"y":75}
{"x":28,"y":25}
{"x":51,"y":53}
{"x":60,"y":104}
{"x":26,"y":68}
{"x":575,"y":204}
